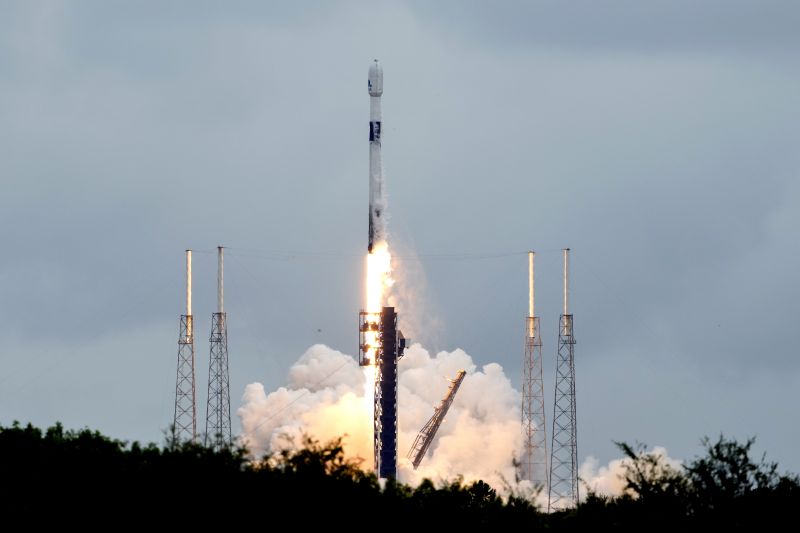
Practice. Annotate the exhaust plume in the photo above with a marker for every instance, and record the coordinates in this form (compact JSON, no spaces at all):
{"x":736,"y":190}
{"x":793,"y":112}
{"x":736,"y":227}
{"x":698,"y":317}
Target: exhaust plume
{"x":329,"y":396}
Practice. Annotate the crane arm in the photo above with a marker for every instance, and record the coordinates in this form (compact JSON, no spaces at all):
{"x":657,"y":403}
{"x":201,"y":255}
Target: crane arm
{"x":428,"y":431}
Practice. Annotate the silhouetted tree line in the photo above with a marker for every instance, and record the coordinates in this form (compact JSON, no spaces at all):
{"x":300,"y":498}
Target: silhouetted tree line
{"x":724,"y":489}
{"x":82,"y":478}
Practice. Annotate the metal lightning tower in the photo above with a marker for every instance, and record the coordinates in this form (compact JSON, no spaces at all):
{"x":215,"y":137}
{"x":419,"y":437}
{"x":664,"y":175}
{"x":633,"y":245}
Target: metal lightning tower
{"x":564,"y":449}
{"x":184,"y":423}
{"x":533,"y":464}
{"x":218,"y":408}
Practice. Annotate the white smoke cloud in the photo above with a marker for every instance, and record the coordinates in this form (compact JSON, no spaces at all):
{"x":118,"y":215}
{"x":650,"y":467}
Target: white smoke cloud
{"x":609,"y":480}
{"x":329,"y":396}
{"x":326,"y":392}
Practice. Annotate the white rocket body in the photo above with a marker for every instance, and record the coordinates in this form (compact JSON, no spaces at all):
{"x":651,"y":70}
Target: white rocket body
{"x":377,"y":229}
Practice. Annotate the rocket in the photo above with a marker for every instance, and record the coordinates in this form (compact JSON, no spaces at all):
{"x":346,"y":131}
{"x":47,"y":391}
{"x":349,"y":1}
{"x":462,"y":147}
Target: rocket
{"x":377,"y":231}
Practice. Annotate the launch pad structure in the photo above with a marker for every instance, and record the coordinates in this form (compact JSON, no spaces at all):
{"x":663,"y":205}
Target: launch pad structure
{"x":428,"y":431}
{"x":390,"y":346}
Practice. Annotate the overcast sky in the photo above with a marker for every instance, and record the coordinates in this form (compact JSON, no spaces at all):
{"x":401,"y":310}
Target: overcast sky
{"x":658,"y":140}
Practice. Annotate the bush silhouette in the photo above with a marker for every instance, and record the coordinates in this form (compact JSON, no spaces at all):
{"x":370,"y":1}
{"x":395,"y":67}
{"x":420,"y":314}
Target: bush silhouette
{"x":59,"y":475}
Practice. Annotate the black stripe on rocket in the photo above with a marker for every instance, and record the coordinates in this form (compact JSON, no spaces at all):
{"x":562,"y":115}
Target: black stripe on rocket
{"x":375,"y":131}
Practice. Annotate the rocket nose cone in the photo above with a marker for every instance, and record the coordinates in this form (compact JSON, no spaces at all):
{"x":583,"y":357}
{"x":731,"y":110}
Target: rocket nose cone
{"x":375,"y":79}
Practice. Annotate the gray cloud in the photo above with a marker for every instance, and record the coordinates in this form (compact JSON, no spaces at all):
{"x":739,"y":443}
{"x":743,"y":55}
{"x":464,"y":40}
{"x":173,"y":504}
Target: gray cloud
{"x":659,"y":143}
{"x":721,"y":26}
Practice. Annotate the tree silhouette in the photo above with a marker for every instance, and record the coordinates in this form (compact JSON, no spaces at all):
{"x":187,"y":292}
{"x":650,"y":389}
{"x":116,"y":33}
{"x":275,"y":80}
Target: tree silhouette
{"x":60,"y":475}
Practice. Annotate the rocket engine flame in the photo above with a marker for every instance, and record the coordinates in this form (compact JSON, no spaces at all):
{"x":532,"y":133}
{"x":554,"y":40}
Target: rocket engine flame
{"x":379,"y":279}
{"x":378,"y":283}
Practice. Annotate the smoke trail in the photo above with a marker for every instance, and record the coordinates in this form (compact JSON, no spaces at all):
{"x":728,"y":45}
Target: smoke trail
{"x":417,"y":319}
